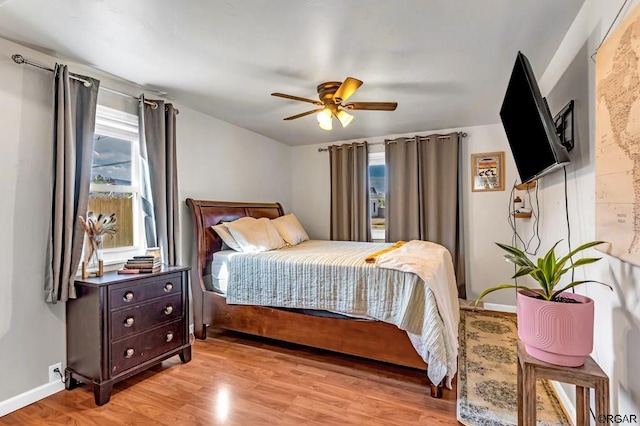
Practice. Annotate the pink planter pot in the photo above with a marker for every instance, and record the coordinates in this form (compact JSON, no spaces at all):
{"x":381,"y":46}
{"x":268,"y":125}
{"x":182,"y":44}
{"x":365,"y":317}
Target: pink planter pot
{"x":554,"y":332}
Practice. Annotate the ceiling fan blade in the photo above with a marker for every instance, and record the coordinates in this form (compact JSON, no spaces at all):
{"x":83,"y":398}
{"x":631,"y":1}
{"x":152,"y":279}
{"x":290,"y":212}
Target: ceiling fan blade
{"x":297,"y":98}
{"x":293,"y":117}
{"x":346,"y":89}
{"x":372,"y":106}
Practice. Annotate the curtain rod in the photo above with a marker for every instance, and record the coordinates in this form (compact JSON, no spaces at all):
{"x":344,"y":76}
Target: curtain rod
{"x":19,"y":59}
{"x":461,"y":134}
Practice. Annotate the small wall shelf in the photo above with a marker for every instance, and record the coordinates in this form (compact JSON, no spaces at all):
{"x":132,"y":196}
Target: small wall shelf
{"x":525,"y":186}
{"x":521,"y":215}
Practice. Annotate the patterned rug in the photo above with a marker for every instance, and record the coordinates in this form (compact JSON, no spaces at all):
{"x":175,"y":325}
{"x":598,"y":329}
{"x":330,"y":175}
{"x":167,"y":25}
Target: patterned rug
{"x":487,"y":374}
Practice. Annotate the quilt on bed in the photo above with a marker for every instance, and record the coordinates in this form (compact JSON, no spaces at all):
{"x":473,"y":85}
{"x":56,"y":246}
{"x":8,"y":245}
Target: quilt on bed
{"x":333,"y":276}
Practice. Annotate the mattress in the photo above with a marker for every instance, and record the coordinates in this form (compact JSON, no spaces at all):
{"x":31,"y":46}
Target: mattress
{"x":220,"y":270}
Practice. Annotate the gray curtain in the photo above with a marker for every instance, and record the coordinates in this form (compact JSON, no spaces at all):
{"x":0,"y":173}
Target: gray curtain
{"x":403,"y":214}
{"x":350,"y":192}
{"x":74,"y":108}
{"x":424,"y":193}
{"x":158,"y":150}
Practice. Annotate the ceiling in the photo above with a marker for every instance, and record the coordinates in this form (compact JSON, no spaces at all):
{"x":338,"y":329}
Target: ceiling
{"x":446,"y":63}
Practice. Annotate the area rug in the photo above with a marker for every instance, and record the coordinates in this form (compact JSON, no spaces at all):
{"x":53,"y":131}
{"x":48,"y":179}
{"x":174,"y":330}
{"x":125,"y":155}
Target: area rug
{"x":487,"y":374}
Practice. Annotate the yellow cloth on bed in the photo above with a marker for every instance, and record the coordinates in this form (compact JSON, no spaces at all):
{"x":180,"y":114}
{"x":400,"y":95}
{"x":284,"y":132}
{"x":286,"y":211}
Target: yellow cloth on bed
{"x":372,"y":257}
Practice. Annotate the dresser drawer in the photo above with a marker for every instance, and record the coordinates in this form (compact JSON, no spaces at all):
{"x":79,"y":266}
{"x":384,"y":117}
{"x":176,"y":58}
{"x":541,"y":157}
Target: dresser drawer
{"x":137,"y":349}
{"x":125,"y":322}
{"x":143,"y":290}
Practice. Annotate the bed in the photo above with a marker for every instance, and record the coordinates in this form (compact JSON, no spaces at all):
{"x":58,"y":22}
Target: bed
{"x":375,"y":340}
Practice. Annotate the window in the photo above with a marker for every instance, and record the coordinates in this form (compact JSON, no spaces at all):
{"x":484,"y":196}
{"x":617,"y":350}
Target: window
{"x":115,"y":181}
{"x":377,"y":192}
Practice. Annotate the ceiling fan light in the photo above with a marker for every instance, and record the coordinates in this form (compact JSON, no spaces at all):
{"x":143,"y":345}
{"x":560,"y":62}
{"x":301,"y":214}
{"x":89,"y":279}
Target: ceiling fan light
{"x":344,"y":117}
{"x":325,"y":117}
{"x":325,"y":125}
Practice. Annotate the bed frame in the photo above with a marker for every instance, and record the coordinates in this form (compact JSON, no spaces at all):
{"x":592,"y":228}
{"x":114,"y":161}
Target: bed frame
{"x":368,"y":339}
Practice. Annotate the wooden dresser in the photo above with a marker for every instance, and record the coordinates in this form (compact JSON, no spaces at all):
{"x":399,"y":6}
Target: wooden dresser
{"x":121,"y":325}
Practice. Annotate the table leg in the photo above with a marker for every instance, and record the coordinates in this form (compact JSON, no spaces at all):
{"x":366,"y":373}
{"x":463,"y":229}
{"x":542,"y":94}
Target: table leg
{"x":520,"y":396}
{"x":102,"y":392}
{"x":529,"y":391}
{"x":602,"y":400}
{"x":582,"y":406}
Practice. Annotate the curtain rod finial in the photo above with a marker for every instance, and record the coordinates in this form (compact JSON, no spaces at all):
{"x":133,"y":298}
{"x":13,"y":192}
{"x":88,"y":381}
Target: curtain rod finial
{"x":18,"y":59}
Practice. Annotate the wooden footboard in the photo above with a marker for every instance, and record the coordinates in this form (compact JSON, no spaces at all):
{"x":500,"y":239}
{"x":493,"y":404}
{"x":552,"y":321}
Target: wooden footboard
{"x":368,"y":339}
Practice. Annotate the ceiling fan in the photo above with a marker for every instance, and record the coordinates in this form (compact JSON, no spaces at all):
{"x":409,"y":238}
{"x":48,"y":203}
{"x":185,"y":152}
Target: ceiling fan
{"x":332,"y":96}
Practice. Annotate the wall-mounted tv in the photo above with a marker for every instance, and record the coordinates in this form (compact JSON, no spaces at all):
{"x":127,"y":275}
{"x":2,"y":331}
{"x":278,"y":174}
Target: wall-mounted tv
{"x":529,"y":125}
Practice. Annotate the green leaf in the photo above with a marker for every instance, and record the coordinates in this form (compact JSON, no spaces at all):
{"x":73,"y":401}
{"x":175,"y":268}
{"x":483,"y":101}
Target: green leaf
{"x":515,"y":260}
{"x":577,"y":283}
{"x":516,"y":252}
{"x":500,"y":287}
{"x":525,"y":270}
{"x":579,"y":262}
{"x":548,"y":264}
{"x":539,"y":276}
{"x":584,"y":261}
{"x":579,"y":249}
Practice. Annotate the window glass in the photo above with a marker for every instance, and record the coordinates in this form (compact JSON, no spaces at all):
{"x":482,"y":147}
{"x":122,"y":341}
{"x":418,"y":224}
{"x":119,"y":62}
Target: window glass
{"x":377,"y":194}
{"x":115,"y":181}
{"x":111,"y":161}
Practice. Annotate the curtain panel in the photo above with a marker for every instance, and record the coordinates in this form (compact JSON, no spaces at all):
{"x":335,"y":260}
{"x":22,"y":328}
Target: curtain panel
{"x":157,"y":129}
{"x":74,"y":108}
{"x":424,"y":194}
{"x":350,"y":192}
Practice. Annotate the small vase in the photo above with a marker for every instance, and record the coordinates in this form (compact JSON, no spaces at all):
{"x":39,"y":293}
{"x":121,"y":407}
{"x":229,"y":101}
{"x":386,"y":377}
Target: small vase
{"x":93,"y":256}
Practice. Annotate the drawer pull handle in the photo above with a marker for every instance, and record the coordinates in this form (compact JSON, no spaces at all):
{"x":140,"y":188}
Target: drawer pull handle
{"x":168,"y":310}
{"x":128,"y":296}
{"x":128,"y":353}
{"x":128,"y":322}
{"x":168,"y":287}
{"x":169,"y":336}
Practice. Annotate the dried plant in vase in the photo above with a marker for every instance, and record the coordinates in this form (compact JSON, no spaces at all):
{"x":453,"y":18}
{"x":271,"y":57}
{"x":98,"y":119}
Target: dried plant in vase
{"x":95,"y":228}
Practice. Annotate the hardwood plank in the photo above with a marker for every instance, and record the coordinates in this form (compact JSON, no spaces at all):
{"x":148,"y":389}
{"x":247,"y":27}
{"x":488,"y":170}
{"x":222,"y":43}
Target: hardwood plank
{"x":234,"y":379}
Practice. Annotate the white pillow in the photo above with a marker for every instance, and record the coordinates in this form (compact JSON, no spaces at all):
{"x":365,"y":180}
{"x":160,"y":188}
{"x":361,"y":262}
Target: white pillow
{"x":225,"y":235}
{"x":256,"y":236}
{"x":290,"y":229}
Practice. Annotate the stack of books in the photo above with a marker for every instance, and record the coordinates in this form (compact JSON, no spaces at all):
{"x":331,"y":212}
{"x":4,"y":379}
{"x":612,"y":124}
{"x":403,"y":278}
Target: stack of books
{"x":141,"y":265}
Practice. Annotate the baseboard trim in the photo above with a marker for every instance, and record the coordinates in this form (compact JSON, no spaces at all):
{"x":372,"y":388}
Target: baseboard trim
{"x":29,"y":397}
{"x":499,"y":307}
{"x":566,"y":402}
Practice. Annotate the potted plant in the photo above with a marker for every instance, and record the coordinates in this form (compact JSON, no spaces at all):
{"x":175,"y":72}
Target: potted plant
{"x":555,"y":325}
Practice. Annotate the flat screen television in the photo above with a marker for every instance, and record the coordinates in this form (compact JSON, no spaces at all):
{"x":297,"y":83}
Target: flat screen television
{"x":529,"y":126}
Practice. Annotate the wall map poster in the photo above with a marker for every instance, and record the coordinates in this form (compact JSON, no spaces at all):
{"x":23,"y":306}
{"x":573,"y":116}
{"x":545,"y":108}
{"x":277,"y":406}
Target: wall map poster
{"x":618,"y":140}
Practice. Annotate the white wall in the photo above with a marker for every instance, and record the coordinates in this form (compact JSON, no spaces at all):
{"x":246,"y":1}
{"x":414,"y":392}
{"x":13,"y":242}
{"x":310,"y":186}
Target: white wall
{"x":485,"y":213}
{"x":32,"y":333}
{"x":571,"y":75}
{"x":216,"y":160}
{"x":220,"y":161}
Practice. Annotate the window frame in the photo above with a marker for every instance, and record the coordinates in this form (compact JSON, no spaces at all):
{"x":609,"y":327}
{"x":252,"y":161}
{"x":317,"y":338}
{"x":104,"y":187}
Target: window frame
{"x":122,"y":125}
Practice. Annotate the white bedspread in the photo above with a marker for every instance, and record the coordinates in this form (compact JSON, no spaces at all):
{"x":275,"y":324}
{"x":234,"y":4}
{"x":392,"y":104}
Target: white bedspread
{"x":333,"y":276}
{"x":431,"y":262}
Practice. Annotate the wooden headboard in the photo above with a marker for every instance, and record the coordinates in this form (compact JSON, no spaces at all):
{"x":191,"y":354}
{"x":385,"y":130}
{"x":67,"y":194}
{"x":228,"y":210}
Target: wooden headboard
{"x":209,"y":213}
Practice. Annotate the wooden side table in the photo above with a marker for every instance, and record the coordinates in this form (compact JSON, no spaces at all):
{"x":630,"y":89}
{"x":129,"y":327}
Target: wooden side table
{"x":590,"y":375}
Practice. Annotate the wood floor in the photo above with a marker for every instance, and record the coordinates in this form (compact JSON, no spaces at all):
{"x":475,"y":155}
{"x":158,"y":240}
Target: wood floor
{"x":239,"y":380}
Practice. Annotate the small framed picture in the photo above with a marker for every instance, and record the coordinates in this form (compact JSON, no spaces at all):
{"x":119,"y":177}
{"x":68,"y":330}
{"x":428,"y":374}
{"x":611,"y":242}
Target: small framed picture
{"x":487,"y":171}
